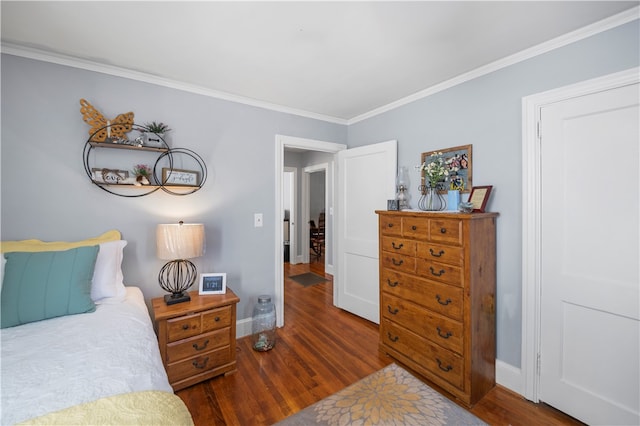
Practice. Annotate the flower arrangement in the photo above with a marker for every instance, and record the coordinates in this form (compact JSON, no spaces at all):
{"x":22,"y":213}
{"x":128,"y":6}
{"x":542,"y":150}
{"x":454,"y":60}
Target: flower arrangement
{"x":143,"y":174}
{"x":436,"y":170}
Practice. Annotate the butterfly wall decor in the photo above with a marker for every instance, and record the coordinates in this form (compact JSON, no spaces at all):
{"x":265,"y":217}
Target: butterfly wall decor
{"x":103,"y":128}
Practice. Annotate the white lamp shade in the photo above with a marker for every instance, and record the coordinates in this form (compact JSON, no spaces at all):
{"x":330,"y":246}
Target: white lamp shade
{"x":180,"y":240}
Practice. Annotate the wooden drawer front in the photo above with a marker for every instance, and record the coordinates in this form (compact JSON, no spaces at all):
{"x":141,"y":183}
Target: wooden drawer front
{"x":440,"y":272}
{"x":197,"y":345}
{"x":446,"y":231}
{"x":440,"y":298}
{"x":399,"y":262}
{"x":414,"y":227}
{"x":437,"y":328}
{"x":216,"y":318}
{"x":390,"y":225}
{"x":441,"y":362}
{"x":183,"y":327}
{"x":444,"y":254}
{"x":398,"y":245}
{"x":198,"y":365}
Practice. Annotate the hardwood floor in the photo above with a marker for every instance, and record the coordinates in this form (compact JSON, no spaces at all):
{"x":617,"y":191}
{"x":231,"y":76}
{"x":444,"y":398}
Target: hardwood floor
{"x":319,"y":351}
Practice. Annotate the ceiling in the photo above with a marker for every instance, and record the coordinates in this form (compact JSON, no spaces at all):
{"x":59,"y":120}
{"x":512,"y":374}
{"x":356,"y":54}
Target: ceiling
{"x":337,"y":60}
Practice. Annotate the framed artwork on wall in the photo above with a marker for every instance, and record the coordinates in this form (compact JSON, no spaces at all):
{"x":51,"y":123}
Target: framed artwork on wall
{"x":457,"y":161}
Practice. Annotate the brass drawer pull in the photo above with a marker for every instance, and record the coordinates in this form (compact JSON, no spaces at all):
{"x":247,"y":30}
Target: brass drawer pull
{"x":434,"y":273}
{"x":447,"y":368}
{"x":199,"y":348}
{"x":444,"y":336}
{"x":443,"y":230}
{"x":392,"y":284}
{"x":392,"y":338}
{"x":393,"y":244}
{"x":397,"y":263}
{"x":392,"y":311}
{"x":439,"y":299}
{"x":440,"y":253}
{"x":202,"y":365}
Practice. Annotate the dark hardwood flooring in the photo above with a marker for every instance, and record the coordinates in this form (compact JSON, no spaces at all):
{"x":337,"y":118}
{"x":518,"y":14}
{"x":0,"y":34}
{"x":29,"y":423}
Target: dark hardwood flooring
{"x":319,"y":351}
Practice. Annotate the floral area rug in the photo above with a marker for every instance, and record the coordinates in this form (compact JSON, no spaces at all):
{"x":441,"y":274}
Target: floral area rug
{"x":391,"y":396}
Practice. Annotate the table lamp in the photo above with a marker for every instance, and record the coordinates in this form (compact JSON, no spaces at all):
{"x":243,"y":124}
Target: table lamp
{"x":179,"y":242}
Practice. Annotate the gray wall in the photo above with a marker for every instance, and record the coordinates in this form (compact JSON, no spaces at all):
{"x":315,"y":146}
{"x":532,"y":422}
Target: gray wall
{"x":487,"y":113}
{"x":47,"y":195}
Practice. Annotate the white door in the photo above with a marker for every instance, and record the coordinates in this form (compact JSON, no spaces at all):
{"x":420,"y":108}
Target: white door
{"x":366,"y":180}
{"x":590,"y":329}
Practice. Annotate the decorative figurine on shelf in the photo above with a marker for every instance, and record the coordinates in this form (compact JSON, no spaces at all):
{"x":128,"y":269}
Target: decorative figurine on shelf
{"x":153,"y":134}
{"x":143,"y":174}
{"x":103,"y":129}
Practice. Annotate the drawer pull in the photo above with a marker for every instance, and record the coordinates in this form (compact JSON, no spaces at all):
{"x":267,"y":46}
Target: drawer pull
{"x":413,"y":228}
{"x":397,"y":263}
{"x":392,"y":311}
{"x":434,"y":273}
{"x":447,"y":368}
{"x":443,"y":230}
{"x":444,"y":336}
{"x":185,"y":326}
{"x":439,"y":299}
{"x":217,"y":319}
{"x":390,"y":225}
{"x":393,"y":244}
{"x":199,"y":348}
{"x":201,"y":365}
{"x":391,"y":284}
{"x":392,"y":338}
{"x":440,"y":253}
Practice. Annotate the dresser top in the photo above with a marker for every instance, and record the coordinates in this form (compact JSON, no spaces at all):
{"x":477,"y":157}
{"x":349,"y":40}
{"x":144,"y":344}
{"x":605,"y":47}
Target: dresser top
{"x":438,"y":214}
{"x":197,"y":303}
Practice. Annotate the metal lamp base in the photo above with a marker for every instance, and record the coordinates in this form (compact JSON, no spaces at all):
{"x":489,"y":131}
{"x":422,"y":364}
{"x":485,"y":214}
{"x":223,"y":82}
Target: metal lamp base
{"x":172,"y":299}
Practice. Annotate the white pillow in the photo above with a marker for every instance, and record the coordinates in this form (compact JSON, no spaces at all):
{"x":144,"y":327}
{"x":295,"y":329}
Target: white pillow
{"x":107,"y":275}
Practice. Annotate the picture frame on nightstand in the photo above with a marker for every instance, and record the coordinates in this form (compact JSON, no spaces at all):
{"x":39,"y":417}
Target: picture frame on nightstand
{"x":212,"y":283}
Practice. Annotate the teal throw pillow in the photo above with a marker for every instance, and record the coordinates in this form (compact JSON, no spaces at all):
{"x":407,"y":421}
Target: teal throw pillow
{"x":48,"y":284}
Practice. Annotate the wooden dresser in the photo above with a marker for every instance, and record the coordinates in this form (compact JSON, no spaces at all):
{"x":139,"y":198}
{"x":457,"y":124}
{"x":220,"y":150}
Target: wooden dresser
{"x":197,"y":338}
{"x":437,"y":297}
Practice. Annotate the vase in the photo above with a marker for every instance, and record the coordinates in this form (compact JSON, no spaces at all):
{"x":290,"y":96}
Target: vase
{"x":431,"y":199}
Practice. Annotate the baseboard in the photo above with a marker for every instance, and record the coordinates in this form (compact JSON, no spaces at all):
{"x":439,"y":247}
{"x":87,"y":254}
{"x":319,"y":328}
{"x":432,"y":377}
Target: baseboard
{"x":243,"y":328}
{"x":509,"y":377}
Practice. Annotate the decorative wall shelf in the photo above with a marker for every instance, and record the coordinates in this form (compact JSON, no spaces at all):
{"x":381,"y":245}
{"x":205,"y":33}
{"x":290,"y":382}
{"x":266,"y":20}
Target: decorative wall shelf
{"x":120,"y":182}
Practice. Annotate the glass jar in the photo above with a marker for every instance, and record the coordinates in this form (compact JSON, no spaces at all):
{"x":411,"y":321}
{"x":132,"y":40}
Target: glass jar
{"x":263,"y":324}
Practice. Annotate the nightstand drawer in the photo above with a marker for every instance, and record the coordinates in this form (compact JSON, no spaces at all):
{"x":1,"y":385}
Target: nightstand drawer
{"x":198,"y":365}
{"x":183,"y":327}
{"x":197,"y":345}
{"x":216,"y":318}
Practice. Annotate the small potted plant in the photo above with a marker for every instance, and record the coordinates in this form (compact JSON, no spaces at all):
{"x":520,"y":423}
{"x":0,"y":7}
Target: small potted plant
{"x":143,"y":174}
{"x":153,"y":134}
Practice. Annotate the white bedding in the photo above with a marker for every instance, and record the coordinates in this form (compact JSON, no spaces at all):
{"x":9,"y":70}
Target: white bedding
{"x":54,"y":364}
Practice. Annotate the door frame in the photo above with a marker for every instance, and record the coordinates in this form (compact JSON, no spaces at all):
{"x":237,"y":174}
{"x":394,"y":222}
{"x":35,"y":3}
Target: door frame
{"x":283,"y":141}
{"x":532,"y":212}
{"x":293,"y":211}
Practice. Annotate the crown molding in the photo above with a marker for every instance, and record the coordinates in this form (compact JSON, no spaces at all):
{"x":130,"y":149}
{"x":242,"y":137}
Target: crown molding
{"x":563,"y":40}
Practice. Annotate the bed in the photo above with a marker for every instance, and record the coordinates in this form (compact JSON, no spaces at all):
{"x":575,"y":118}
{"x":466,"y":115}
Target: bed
{"x":102,"y":366}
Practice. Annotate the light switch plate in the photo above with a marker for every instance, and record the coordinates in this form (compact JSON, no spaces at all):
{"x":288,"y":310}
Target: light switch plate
{"x":257,"y":220}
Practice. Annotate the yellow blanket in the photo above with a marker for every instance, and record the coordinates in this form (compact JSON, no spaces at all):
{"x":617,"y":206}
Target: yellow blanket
{"x":136,"y":408}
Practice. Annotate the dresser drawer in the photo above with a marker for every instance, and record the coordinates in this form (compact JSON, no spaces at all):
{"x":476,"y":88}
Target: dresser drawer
{"x":439,"y":361}
{"x":196,"y":345}
{"x":441,"y":298}
{"x":446,"y":231}
{"x":435,"y":327}
{"x":216,"y":318}
{"x":183,"y":327}
{"x":390,"y":225}
{"x":440,"y":253}
{"x":414,"y":227}
{"x":399,"y":262}
{"x":440,"y":272}
{"x":399,"y":245}
{"x":198,"y":365}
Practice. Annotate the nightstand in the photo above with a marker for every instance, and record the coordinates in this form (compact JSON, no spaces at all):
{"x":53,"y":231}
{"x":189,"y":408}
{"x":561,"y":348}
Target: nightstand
{"x":197,"y":339}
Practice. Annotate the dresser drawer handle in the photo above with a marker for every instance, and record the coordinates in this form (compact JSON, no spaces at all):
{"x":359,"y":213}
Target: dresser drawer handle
{"x":390,"y":225}
{"x":185,"y":327}
{"x":436,"y":274}
{"x":217,"y":319}
{"x":443,"y":230}
{"x":392,"y":338}
{"x":201,"y":365}
{"x":445,"y":335}
{"x":392,"y":311}
{"x":447,"y":368}
{"x":392,"y":284}
{"x":199,"y":348}
{"x":397,"y":263}
{"x":439,"y":254}
{"x":393,"y":244}
{"x":439,"y":299}
{"x":413,"y":228}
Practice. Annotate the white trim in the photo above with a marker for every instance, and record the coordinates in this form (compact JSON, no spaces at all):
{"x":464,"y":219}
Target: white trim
{"x":293,"y":213}
{"x":532,"y":209}
{"x":509,"y":376}
{"x":572,"y":37}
